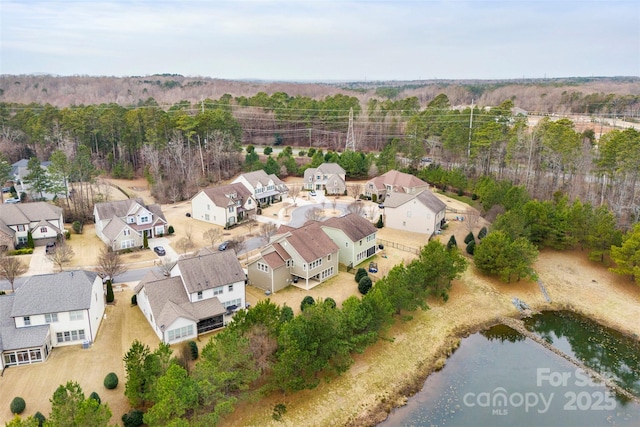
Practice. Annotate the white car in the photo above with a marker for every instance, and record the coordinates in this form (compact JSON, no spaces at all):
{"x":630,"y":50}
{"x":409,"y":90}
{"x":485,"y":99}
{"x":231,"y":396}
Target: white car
{"x":13,"y":200}
{"x":312,"y":192}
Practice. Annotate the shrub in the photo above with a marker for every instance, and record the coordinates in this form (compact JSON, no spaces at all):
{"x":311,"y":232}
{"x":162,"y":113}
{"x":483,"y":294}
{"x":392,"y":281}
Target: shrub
{"x":67,"y":235}
{"x":111,"y":381}
{"x":302,"y":153}
{"x":95,"y":397}
{"x":452,"y":242}
{"x":134,"y":300}
{"x":30,"y":243}
{"x":379,"y":224}
{"x":23,"y":251}
{"x":278,"y":411}
{"x":268,"y":150}
{"x":471,"y":247}
{"x":41,"y":419}
{"x":133,"y":418}
{"x":286,"y":314}
{"x":482,"y":233}
{"x":469,"y":238}
{"x":193,"y":348}
{"x":330,"y":302}
{"x":170,"y":230}
{"x":460,"y":192}
{"x":145,"y":241}
{"x":307,"y":301}
{"x":17,"y":405}
{"x":364,"y":285}
{"x":360,"y":274}
{"x":77,"y":227}
{"x":474,"y":196}
{"x":110,"y":296}
{"x":374,"y":198}
{"x":3,"y":293}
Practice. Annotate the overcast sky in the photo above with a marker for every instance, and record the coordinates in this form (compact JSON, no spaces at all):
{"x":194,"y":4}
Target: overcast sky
{"x":322,"y":39}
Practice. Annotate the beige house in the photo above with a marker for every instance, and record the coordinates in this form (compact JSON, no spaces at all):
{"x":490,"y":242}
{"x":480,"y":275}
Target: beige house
{"x":329,"y":177}
{"x":265,"y":189}
{"x":224,"y":205}
{"x":393,"y":182}
{"x":123,"y":224}
{"x":201,"y":294}
{"x":418,"y":213}
{"x":43,"y":220}
{"x":304,"y":257}
{"x":354,"y":235}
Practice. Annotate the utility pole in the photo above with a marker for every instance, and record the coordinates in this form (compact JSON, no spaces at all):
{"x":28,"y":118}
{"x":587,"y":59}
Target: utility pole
{"x":351,"y":139}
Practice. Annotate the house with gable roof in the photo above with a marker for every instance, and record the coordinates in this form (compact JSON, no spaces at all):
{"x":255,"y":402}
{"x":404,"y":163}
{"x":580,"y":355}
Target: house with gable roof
{"x":265,"y":189}
{"x":330,"y":177}
{"x":304,"y":256}
{"x":224,"y":205}
{"x":201,"y":294}
{"x":43,"y":220}
{"x":48,"y":311}
{"x":418,"y":213}
{"x":354,"y":235}
{"x":393,"y":182}
{"x":122,"y":224}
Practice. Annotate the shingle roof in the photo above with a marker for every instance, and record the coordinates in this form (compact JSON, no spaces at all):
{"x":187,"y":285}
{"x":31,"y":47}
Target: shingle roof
{"x":120,"y":208}
{"x":54,"y":293}
{"x":426,"y":197}
{"x":12,"y":338}
{"x":311,"y":242}
{"x":24,"y":213}
{"x":114,"y":228}
{"x":273,"y":259}
{"x":353,"y":225}
{"x":203,"y":272}
{"x":400,"y":180}
{"x":218,"y":195}
{"x":331,"y":168}
{"x":156,"y":210}
{"x":256,"y":177}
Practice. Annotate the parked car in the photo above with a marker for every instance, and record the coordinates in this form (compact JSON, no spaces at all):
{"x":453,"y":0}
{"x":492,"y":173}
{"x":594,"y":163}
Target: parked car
{"x":160,"y":251}
{"x":13,"y":200}
{"x":224,"y":245}
{"x":313,"y":192}
{"x":6,"y":189}
{"x":50,"y":248}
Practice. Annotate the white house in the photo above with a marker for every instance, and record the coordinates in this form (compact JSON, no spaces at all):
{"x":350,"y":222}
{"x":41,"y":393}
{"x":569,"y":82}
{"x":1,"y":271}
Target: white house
{"x":303,"y":256}
{"x":201,"y":294}
{"x":224,"y":205}
{"x":265,"y":189}
{"x":393,"y":182}
{"x":43,"y":220}
{"x":419,"y":213}
{"x":122,"y":224}
{"x":329,"y":177}
{"x":47,"y":311}
{"x":354,"y":235}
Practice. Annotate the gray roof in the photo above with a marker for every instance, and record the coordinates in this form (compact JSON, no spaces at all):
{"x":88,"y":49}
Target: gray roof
{"x":24,"y":213}
{"x":353,"y":225}
{"x":120,"y":208}
{"x":331,"y":168}
{"x":156,"y":210}
{"x":225,"y":195}
{"x":203,"y":272}
{"x":12,"y":338}
{"x":54,"y":293}
{"x":311,"y":242}
{"x":425,"y":197}
{"x":114,"y":228}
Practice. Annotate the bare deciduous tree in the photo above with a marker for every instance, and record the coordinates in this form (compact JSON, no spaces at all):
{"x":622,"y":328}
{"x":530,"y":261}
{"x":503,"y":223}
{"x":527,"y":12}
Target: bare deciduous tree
{"x":354,"y":190}
{"x":165,"y":265}
{"x":471,"y":219}
{"x":294,"y":192}
{"x":110,"y":263}
{"x":334,"y":203}
{"x":184,"y":244}
{"x":10,"y":268}
{"x":239,"y":244}
{"x":212,"y":235}
{"x":61,"y":255}
{"x":313,"y":214}
{"x":268,"y":230}
{"x":356,"y":208}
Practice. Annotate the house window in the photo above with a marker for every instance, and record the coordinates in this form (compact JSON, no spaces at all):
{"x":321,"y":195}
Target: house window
{"x":144,"y":219}
{"x":326,"y":273}
{"x":126,"y":232}
{"x":51,"y":318}
{"x":263,"y":267}
{"x":127,"y":244}
{"x":404,"y":223}
{"x":208,"y":207}
{"x":43,"y":230}
{"x":199,"y":295}
{"x":206,"y":217}
{"x":408,"y":214}
{"x":131,"y":220}
{"x":230,"y":209}
{"x":329,"y":257}
{"x":315,"y":264}
{"x":237,"y":302}
{"x":185,"y":331}
{"x":230,"y":288}
{"x":218,"y":291}
{"x":27,"y":320}
{"x":346,"y":244}
{"x":70,"y":336}
{"x":76,"y":315}
{"x":289,"y":263}
{"x":22,"y":240}
{"x":21,"y":227}
{"x":249,"y":202}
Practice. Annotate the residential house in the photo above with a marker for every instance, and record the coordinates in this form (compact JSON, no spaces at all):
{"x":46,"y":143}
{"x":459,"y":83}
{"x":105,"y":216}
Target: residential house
{"x":393,"y":182}
{"x":419,"y":213}
{"x":354,"y":235}
{"x":19,"y":173}
{"x":201,"y":294}
{"x":329,"y":177}
{"x":122,"y":224}
{"x":265,"y":189}
{"x":304,"y":254}
{"x":43,"y":220}
{"x":47,"y":311}
{"x":224,"y":205}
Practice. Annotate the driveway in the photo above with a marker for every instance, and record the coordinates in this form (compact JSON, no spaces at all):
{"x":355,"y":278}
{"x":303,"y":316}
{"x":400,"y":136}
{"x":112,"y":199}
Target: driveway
{"x":171,"y":255}
{"x":39,"y":263}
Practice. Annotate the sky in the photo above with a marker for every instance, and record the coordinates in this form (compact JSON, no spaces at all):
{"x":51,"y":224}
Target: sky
{"x":322,"y":40}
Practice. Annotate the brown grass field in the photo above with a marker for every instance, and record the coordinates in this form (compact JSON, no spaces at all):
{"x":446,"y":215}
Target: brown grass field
{"x":380,"y":378}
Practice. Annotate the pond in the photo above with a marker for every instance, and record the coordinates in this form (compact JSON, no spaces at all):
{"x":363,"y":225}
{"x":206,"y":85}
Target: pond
{"x":501,"y":378}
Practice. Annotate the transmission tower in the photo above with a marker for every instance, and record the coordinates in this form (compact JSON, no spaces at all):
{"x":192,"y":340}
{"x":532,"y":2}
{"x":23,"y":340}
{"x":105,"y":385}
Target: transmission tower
{"x":351,"y":139}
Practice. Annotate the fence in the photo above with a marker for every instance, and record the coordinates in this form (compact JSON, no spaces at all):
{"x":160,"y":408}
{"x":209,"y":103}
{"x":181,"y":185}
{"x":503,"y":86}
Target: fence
{"x":399,"y":246}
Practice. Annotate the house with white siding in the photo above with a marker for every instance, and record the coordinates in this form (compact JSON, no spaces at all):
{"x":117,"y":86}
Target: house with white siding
{"x":200,"y":294}
{"x":224,"y":205}
{"x":43,"y":220}
{"x":123,"y":224}
{"x":48,"y":311}
{"x":354,"y":235}
{"x":393,"y":182}
{"x":418,"y":213}
{"x":329,"y":177}
{"x":265,"y":189}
